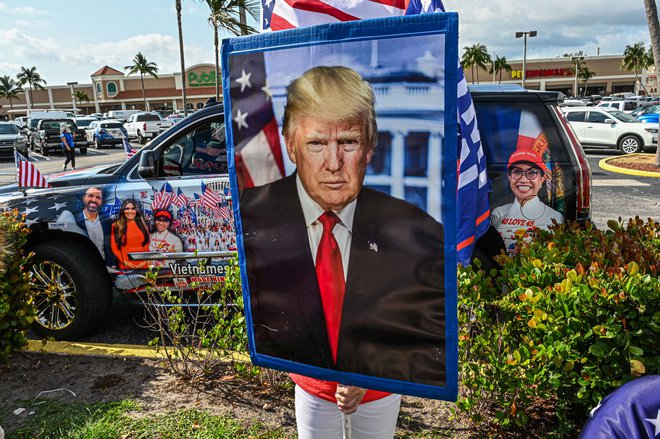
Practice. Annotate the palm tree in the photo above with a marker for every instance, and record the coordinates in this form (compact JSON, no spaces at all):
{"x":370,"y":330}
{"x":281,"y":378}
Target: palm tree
{"x":634,"y":59}
{"x":80,"y":96}
{"x":183,"y":63}
{"x":143,"y":67}
{"x":654,"y":30}
{"x":475,"y":56}
{"x":585,"y":74}
{"x":32,"y":78}
{"x":9,"y":89}
{"x":224,"y":16}
{"x":500,"y":64}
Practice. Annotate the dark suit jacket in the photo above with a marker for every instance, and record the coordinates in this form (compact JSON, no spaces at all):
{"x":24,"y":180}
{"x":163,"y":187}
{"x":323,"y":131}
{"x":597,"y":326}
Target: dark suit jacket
{"x":106,"y":223}
{"x":393,"y":317}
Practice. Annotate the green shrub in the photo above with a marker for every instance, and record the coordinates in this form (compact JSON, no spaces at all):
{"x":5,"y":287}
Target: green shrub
{"x":567,"y":321}
{"x":16,"y":306}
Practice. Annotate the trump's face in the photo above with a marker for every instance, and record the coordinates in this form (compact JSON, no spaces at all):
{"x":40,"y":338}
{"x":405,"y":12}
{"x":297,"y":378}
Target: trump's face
{"x":331,"y":157}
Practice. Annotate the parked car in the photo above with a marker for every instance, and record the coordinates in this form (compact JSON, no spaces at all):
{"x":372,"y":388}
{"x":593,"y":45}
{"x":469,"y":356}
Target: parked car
{"x":192,"y":154}
{"x":144,"y":126}
{"x":647,"y":114}
{"x":48,"y":136}
{"x":20,"y":121}
{"x":122,"y":115}
{"x":11,"y":139}
{"x":599,"y":126}
{"x":625,"y":106}
{"x":105,"y":132}
{"x":174,"y":118}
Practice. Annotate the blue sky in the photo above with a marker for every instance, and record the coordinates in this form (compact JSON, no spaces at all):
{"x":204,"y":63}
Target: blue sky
{"x":68,"y":40}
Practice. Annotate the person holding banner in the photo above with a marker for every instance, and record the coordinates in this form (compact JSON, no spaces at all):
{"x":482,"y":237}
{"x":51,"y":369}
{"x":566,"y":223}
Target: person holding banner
{"x":527,"y":172}
{"x":341,"y":276}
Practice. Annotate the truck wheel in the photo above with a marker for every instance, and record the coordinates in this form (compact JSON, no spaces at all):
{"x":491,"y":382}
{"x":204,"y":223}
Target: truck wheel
{"x":83,"y":151}
{"x":630,"y":144}
{"x":43,"y":149}
{"x":140,"y":138}
{"x":72,"y":290}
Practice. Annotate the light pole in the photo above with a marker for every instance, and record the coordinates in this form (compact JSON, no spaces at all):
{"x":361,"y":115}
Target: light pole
{"x":577,"y":59}
{"x":531,"y":33}
{"x":73,"y":95}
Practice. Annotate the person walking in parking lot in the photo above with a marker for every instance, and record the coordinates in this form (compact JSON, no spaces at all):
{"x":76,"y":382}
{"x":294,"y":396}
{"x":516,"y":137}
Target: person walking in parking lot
{"x":67,"y":146}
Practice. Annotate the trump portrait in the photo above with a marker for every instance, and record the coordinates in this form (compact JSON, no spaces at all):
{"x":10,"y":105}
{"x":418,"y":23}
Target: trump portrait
{"x":342,"y":276}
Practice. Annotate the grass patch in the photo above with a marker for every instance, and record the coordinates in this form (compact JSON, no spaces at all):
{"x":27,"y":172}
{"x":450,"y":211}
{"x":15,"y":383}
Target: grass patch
{"x":124,"y":419}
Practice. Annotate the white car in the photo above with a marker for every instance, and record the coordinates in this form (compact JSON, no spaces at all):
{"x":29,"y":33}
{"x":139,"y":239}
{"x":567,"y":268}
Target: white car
{"x":627,"y":106}
{"x":602,"y":126}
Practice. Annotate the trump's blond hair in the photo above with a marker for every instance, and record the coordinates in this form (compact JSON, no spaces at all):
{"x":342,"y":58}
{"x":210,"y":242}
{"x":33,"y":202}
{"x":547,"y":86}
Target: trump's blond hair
{"x":331,"y":93}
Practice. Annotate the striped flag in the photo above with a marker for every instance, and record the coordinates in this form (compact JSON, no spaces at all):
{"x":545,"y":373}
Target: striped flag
{"x":258,"y":155}
{"x":27,"y":175}
{"x":473,"y":208}
{"x":224,"y":212}
{"x":163,"y":198}
{"x":210,"y":199}
{"x":180,"y":200}
{"x":128,"y":149}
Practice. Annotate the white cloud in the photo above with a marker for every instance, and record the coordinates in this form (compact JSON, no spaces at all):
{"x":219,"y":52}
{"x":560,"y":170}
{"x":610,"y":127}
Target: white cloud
{"x":22,"y":44}
{"x":563,"y":26}
{"x":8,"y":68}
{"x":32,"y":24}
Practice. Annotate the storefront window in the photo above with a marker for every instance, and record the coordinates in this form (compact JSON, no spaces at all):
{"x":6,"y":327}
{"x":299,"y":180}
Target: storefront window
{"x":112,"y":89}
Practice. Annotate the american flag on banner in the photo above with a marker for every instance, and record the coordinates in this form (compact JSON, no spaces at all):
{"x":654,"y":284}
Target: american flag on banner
{"x":27,"y":175}
{"x":128,"y":149}
{"x":163,"y":198}
{"x":254,"y":125}
{"x":473,"y":208}
{"x":210,"y":198}
{"x":180,"y":200}
{"x":224,"y":211}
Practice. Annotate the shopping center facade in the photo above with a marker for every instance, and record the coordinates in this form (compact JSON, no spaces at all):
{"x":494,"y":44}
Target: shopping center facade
{"x":110,"y":89}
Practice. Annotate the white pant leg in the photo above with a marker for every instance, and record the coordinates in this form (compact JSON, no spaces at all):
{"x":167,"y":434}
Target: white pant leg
{"x":317,"y":418}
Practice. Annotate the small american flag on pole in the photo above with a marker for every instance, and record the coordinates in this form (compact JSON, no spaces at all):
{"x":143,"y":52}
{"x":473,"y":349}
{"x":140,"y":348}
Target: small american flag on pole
{"x":128,"y":149}
{"x":27,"y":175}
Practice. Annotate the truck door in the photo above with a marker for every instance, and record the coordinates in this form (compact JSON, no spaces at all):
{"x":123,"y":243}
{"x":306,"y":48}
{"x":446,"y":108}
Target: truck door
{"x":185,"y":210}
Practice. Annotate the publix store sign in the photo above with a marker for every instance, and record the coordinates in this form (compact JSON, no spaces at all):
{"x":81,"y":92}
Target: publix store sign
{"x":201,"y":78}
{"x":543,"y":73}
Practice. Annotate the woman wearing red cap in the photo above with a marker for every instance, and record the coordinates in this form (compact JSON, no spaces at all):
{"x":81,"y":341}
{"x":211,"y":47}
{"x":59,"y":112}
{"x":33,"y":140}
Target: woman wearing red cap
{"x":526,"y":172}
{"x":162,"y":240}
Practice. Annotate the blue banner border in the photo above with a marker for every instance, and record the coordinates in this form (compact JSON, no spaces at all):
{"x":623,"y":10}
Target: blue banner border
{"x":391,"y":27}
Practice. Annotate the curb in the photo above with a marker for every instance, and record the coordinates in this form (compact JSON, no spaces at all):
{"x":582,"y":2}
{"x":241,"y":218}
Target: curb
{"x":606,"y":166}
{"x":109,"y":350}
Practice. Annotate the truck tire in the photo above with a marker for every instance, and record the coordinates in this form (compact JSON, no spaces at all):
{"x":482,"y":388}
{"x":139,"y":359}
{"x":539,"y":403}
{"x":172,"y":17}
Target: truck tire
{"x":630,"y":144}
{"x":83,"y":151}
{"x":43,"y":149}
{"x":140,"y":138}
{"x":73,"y":291}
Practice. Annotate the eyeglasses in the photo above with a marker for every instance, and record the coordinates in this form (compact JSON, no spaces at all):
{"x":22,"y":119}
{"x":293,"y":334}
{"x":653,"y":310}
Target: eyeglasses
{"x":531,"y":173}
{"x":163,"y":220}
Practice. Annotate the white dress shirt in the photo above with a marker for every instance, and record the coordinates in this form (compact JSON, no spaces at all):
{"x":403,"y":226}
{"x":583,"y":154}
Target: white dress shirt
{"x":342,"y":231}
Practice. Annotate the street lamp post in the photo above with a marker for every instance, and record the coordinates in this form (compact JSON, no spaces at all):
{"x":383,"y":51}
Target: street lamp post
{"x":73,"y":95}
{"x":577,"y":59}
{"x":531,"y":33}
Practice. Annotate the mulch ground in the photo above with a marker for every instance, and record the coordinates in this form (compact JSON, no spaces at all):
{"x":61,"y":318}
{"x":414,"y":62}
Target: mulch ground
{"x":638,"y":162}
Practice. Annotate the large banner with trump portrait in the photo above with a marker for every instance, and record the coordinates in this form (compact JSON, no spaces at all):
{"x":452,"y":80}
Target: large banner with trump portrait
{"x":342,"y":156}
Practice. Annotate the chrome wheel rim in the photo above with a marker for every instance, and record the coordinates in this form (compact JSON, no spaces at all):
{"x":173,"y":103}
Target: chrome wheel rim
{"x":629,"y":145}
{"x":55,"y":295}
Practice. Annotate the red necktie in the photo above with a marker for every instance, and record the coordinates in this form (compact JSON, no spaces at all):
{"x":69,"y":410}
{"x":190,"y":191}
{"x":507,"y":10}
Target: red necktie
{"x":330,"y":275}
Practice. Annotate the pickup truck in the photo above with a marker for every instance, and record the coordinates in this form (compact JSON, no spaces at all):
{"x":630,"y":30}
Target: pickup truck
{"x":181,"y":179}
{"x":145,"y":126}
{"x":48,"y":136}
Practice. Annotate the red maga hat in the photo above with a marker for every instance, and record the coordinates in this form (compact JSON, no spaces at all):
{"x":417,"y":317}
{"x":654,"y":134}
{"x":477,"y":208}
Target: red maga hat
{"x":527,"y":156}
{"x":161,"y":213}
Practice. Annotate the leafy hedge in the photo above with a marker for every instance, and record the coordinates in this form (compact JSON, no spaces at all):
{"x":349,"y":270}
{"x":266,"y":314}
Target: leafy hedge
{"x":16,"y":307}
{"x":571,"y":318}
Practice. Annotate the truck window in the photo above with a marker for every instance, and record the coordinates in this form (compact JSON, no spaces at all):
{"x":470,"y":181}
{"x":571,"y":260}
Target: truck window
{"x":200,"y":151}
{"x":148,"y":118}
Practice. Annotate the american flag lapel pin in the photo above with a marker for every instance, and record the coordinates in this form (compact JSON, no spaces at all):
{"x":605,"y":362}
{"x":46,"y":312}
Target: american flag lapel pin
{"x":373,"y":246}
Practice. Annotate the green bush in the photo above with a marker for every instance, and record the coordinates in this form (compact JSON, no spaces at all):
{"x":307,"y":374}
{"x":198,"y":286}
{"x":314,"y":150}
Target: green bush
{"x":16,"y":306}
{"x":568,"y":320}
